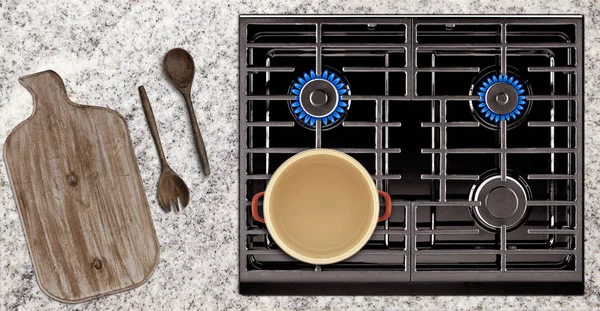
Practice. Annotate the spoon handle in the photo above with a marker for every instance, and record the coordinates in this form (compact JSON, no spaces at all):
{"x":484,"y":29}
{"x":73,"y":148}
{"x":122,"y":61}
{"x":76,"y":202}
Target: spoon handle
{"x":197,"y":135}
{"x":152,"y":124}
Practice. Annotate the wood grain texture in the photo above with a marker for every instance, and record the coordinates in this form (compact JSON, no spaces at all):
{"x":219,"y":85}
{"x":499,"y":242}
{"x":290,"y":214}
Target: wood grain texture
{"x":179,"y":68}
{"x":80,"y":197}
{"x":171,"y":188}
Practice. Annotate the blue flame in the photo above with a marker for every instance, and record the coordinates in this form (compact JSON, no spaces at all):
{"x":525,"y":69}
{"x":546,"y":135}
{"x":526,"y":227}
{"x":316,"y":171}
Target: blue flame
{"x":485,"y":110}
{"x":335,"y":115}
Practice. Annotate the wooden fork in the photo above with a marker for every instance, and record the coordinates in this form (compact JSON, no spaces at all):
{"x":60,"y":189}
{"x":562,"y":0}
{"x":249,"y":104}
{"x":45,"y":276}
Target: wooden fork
{"x":170,"y":185}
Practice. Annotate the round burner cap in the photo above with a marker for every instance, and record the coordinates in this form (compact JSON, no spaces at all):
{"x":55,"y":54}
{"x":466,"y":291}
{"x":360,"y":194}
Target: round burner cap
{"x":503,"y":203}
{"x":501,"y":98}
{"x":319,"y":97}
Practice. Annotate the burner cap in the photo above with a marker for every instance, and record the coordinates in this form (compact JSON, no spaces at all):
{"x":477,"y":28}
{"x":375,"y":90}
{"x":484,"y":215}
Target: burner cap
{"x":503,"y":203}
{"x":319,"y":97}
{"x":501,"y":97}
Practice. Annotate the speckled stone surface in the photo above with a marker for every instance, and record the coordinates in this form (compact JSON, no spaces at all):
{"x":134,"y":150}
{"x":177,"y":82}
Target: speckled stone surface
{"x":105,"y":49}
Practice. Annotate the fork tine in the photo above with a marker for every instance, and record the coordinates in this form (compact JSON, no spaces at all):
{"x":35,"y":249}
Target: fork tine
{"x":184,"y":196}
{"x":176,"y":204}
{"x":182,"y":191}
{"x":182,"y":204}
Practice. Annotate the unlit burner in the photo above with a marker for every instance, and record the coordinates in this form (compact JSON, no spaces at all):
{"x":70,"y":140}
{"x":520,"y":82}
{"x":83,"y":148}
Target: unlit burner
{"x":503,"y":203}
{"x":319,"y":97}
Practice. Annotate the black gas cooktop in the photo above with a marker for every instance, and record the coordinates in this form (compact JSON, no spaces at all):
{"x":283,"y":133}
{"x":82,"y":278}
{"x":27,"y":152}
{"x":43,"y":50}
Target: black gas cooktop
{"x":473,"y":124}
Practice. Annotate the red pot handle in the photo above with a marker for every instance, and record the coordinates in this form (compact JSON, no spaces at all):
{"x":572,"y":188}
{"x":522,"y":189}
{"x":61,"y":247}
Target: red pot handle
{"x":388,"y":206}
{"x":255,"y":207}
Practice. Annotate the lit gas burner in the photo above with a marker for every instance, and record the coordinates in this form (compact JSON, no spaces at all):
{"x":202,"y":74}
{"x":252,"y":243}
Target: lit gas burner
{"x":503,"y":203}
{"x":319,"y":97}
{"x":501,"y":98}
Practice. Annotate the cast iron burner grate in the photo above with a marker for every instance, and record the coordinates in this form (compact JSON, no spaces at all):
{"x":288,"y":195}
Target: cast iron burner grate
{"x":481,"y":205}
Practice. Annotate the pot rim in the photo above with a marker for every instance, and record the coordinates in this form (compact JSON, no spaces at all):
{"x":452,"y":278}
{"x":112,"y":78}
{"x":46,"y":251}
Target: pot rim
{"x":358,"y":245}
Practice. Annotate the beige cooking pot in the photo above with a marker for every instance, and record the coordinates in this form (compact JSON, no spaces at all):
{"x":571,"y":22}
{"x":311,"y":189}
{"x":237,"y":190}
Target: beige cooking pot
{"x":321,"y":206}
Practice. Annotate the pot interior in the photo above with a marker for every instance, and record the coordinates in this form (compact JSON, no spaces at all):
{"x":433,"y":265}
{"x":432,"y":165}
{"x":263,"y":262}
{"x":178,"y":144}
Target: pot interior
{"x":321,"y":208}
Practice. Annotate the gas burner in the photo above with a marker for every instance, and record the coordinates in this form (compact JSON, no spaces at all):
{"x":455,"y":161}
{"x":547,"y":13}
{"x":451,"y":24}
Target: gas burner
{"x":503,"y":203}
{"x":501,"y":98}
{"x":319,"y":97}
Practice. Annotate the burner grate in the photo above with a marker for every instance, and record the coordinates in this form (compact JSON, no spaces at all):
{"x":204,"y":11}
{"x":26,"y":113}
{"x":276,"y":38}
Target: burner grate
{"x":412,"y":127}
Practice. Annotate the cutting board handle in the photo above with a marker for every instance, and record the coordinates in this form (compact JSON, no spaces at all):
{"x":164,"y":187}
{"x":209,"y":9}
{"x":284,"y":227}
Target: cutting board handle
{"x":47,"y":89}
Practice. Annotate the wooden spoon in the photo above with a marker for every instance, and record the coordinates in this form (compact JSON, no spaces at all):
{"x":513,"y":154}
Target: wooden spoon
{"x":178,"y":65}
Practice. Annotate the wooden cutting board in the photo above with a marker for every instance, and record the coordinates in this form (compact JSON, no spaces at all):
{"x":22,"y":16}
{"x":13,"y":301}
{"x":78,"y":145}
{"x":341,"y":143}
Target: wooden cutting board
{"x":80,"y":197}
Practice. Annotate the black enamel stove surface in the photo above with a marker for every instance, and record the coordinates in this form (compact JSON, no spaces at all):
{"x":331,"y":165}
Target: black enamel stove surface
{"x":473,"y":124}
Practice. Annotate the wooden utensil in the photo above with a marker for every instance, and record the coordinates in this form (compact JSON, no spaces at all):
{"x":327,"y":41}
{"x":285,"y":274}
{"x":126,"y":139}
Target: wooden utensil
{"x":170,"y":185}
{"x":80,"y":197}
{"x":179,"y":67}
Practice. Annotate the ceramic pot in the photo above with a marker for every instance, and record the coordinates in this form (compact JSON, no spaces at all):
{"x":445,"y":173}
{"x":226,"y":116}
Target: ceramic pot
{"x":321,"y":206}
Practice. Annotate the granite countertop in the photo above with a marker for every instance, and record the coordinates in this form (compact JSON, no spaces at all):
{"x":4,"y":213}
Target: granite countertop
{"x":105,"y":49}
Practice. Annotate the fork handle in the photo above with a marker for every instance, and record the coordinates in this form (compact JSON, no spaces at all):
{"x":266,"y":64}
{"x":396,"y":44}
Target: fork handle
{"x":152,"y":124}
